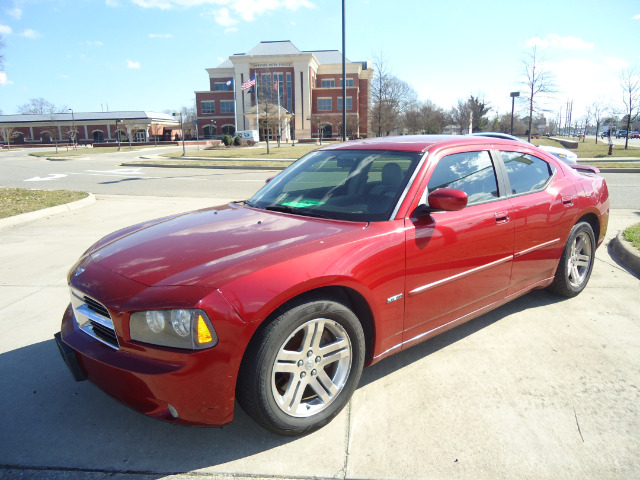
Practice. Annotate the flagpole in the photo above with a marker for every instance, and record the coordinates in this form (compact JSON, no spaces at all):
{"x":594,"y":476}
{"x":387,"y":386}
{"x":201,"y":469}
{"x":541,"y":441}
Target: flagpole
{"x":279,"y":126}
{"x":235,"y":111}
{"x":257,"y":107}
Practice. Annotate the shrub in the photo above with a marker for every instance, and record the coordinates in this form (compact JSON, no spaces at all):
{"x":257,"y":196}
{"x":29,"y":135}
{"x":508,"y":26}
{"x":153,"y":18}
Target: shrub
{"x":237,"y":141}
{"x":227,"y":140}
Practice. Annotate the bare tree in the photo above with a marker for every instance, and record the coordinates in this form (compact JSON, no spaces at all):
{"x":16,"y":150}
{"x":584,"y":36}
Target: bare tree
{"x":390,"y":99}
{"x":538,"y":83}
{"x":8,"y":133}
{"x":39,"y":106}
{"x":597,"y":111}
{"x":461,"y":115}
{"x":630,"y":81}
{"x":131,"y":127}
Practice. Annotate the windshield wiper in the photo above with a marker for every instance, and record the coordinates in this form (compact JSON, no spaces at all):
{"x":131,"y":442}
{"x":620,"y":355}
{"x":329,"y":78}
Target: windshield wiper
{"x":296,"y":211}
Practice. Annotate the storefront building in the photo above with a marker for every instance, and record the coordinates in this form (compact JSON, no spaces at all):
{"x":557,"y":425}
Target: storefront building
{"x":89,"y":127}
{"x":287,"y":92}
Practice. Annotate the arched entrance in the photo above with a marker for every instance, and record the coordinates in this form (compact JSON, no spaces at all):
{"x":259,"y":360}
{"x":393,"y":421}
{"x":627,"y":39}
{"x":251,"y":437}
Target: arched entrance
{"x":98,"y":136}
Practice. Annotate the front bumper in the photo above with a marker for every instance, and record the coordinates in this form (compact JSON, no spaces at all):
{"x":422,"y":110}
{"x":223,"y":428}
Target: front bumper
{"x":191,"y":388}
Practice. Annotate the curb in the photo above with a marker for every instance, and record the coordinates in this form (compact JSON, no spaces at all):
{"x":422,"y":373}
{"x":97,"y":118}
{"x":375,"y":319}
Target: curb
{"x":219,"y":167}
{"x":625,"y":254}
{"x":45,"y":212}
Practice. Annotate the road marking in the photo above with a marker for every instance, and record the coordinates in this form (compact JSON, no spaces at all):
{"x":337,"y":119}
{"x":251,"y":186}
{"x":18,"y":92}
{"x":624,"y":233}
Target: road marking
{"x":52,"y":176}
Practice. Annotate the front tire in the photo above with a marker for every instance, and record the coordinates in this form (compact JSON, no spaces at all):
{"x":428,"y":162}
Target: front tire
{"x":301,"y":369}
{"x":576,"y":263}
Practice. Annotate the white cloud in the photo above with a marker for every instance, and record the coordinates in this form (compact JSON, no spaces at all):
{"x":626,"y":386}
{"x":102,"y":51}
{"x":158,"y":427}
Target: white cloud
{"x":90,"y":43}
{"x":230,"y":12}
{"x":230,"y":30}
{"x":112,"y":3}
{"x":5,"y":30}
{"x":15,"y":13}
{"x":160,"y":35}
{"x":223,"y":17}
{"x":4,"y":80}
{"x":29,"y":33}
{"x":132,"y":64}
{"x":636,"y":17}
{"x":556,"y":41}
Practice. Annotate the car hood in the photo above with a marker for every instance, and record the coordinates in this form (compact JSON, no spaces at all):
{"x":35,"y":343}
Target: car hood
{"x":209,"y":247}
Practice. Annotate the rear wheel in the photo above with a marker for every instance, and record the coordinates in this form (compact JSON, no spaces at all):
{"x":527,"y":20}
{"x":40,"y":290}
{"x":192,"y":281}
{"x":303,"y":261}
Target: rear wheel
{"x":302,"y":368}
{"x":576,"y":263}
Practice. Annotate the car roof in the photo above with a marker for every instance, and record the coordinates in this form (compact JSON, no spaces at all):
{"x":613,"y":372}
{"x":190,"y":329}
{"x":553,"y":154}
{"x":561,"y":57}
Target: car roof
{"x":412,"y":143}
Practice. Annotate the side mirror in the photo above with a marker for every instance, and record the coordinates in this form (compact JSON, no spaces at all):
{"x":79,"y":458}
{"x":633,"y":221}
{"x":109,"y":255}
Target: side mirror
{"x":448,"y":199}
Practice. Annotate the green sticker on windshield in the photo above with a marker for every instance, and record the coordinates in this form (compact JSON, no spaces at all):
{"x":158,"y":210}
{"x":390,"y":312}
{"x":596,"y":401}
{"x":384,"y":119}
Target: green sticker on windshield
{"x":305,"y":203}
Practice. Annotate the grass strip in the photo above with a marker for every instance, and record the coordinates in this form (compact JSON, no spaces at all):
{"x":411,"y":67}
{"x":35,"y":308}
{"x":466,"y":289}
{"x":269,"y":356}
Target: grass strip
{"x":14,"y":201}
{"x":632,"y":234}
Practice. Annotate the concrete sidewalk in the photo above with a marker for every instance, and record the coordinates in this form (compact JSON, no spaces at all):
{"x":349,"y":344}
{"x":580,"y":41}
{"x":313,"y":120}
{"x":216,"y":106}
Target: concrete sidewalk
{"x":541,"y":388}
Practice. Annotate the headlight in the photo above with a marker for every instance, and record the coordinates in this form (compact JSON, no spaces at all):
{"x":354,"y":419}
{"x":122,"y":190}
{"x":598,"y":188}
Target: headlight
{"x":179,"y":328}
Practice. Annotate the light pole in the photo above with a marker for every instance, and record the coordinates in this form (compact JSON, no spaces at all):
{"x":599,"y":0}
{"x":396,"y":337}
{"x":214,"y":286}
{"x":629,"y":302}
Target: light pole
{"x":73,"y":133}
{"x":513,"y":100}
{"x":214,"y":128}
{"x":184,"y":152}
{"x":344,"y":84}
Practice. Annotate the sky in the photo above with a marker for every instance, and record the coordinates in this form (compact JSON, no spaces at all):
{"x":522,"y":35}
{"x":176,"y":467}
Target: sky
{"x":107,"y":55}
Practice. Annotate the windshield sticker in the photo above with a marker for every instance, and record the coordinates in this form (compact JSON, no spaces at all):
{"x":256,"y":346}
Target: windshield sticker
{"x":306,"y":203}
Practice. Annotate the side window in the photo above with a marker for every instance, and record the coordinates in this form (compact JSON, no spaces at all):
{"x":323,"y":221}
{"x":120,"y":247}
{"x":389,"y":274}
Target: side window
{"x":471,"y":172}
{"x":526,"y":173}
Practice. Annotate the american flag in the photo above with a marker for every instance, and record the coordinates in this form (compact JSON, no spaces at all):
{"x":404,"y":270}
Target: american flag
{"x":249,"y":83}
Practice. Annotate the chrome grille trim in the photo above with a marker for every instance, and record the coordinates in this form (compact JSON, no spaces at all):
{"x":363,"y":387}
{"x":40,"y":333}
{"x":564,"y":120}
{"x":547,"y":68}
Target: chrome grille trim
{"x":94,"y":319}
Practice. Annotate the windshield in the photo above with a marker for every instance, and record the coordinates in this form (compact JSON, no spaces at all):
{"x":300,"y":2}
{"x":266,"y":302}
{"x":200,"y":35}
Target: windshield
{"x":356,"y":185}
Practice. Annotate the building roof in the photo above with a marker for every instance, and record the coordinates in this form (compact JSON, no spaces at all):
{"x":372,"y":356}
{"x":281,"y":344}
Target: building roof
{"x":279,"y":47}
{"x":285,"y":47}
{"x":89,"y":116}
{"x":327,"y":56}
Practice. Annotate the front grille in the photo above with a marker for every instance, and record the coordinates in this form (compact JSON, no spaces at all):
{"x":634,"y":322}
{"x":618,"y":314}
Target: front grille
{"x":94,"y":319}
{"x":96,"y":307}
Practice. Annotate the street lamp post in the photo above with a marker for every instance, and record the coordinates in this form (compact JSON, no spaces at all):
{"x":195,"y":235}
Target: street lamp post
{"x":73,"y":133}
{"x":184,"y":152}
{"x":513,"y":99}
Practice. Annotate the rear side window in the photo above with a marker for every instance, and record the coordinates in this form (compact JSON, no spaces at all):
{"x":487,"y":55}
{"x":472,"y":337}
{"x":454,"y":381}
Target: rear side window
{"x":471,"y":172}
{"x":526,"y":173}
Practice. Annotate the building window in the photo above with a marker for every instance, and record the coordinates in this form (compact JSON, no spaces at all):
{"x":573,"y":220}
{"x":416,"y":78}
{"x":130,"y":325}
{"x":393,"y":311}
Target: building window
{"x":208,"y":107}
{"x":228,"y":130}
{"x":221,"y":87}
{"x":226,"y":106}
{"x":349,"y":106}
{"x":349,"y":82}
{"x":324,"y":105}
{"x":330,"y":83}
{"x":289,"y":96}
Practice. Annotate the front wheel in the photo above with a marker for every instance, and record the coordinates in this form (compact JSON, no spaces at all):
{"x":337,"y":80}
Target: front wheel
{"x":301,"y":369}
{"x":576,"y":263}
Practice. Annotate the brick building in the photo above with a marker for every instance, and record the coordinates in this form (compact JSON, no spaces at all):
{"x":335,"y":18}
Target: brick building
{"x":307,"y":85}
{"x":91,"y":127}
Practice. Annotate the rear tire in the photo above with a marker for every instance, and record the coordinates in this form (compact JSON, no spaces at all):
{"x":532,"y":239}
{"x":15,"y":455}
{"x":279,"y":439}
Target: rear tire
{"x":301,"y":369}
{"x":576,"y":263}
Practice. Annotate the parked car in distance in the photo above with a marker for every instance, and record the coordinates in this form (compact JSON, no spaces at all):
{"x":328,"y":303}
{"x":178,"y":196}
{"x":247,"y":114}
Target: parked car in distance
{"x":563,"y":154}
{"x":634,"y":135}
{"x":355,"y":252}
{"x":621,"y":134}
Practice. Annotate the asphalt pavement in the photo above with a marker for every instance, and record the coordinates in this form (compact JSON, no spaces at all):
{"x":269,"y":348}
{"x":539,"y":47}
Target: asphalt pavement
{"x":541,"y":388}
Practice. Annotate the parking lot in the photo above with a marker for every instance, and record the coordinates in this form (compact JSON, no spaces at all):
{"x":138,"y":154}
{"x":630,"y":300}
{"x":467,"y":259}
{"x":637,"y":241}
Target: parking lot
{"x":540,"y":388}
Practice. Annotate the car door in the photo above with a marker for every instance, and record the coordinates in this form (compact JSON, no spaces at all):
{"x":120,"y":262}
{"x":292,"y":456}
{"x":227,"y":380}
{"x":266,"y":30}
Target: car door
{"x":458,"y":261}
{"x":543,"y":210}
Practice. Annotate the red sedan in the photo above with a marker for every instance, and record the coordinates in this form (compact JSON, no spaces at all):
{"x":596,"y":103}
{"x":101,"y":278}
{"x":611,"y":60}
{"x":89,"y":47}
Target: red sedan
{"x":355,"y":252}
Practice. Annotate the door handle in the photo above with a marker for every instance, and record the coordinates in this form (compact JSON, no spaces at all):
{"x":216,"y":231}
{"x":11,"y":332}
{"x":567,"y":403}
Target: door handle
{"x":567,"y":200}
{"x":501,"y":217}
